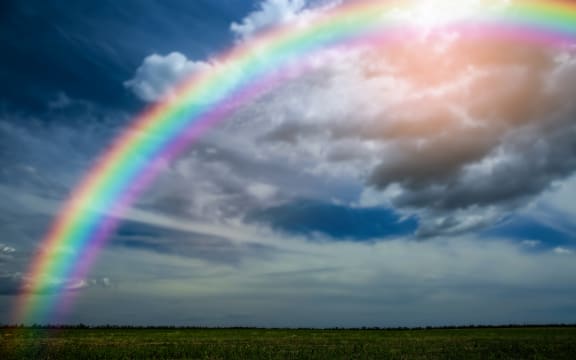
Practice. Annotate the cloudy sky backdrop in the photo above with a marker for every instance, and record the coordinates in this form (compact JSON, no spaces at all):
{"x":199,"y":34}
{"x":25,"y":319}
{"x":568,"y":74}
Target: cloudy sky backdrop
{"x":426,"y":183}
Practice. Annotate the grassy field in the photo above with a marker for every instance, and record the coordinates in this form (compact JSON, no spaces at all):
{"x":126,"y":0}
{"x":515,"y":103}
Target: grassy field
{"x":478,"y":343}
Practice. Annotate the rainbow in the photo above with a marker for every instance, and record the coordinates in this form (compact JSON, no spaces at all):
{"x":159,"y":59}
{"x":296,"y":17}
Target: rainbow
{"x":250,"y":69}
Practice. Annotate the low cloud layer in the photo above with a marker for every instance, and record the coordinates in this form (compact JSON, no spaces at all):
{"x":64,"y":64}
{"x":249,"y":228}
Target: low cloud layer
{"x":15,"y":283}
{"x":409,"y":283}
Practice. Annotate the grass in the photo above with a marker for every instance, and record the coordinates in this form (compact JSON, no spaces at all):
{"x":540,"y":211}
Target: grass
{"x":134,"y":343}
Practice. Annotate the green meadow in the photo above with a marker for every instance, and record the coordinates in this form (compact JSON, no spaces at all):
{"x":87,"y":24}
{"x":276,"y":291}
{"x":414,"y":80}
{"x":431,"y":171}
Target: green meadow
{"x":150,"y":343}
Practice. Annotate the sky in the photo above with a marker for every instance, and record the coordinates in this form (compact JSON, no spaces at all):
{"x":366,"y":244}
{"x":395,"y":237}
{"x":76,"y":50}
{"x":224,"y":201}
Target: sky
{"x":428,"y":183}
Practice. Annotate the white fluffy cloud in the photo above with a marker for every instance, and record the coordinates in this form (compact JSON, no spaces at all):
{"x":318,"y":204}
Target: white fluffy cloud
{"x":158,"y":75}
{"x":270,"y":13}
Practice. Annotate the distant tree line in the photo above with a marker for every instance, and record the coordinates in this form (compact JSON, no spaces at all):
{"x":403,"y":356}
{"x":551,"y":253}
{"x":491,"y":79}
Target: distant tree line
{"x":365,"y":328}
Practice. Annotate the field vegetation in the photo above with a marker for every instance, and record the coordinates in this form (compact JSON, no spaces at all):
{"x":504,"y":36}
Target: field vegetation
{"x":86,"y":343}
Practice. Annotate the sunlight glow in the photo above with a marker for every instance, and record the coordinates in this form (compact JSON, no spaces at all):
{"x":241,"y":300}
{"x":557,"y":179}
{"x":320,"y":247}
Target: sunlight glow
{"x":432,"y":13}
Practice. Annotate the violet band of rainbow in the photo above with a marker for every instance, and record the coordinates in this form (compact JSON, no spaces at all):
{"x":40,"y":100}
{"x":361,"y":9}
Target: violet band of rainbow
{"x":201,"y":102}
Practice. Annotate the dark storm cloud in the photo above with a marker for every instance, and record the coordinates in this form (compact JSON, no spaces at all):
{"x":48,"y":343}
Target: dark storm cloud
{"x":523,"y":165}
{"x":415,"y":166}
{"x":514,"y":140}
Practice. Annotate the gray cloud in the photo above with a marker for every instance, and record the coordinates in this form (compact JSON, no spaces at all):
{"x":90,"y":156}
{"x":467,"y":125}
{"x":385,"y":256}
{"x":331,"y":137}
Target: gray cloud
{"x":6,"y":254}
{"x":482,"y":131}
{"x":458,"y":137}
{"x":5,"y":249}
{"x":14,"y":283}
{"x":197,"y":246}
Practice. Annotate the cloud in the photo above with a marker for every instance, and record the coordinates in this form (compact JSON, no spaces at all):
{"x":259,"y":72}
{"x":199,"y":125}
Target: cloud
{"x":6,"y":253}
{"x":459,"y":145}
{"x":5,"y":249}
{"x":262,"y":191}
{"x":458,"y":138}
{"x":562,"y":251}
{"x":158,"y":75}
{"x":163,"y":232}
{"x":15,"y":283}
{"x":194,"y":246}
{"x":212,"y":267}
{"x":317,"y":283}
{"x":531,"y":243}
{"x":269,"y":14}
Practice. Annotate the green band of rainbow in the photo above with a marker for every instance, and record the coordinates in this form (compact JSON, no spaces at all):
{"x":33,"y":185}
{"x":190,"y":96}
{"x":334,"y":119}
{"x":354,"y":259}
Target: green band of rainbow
{"x":243,"y":74}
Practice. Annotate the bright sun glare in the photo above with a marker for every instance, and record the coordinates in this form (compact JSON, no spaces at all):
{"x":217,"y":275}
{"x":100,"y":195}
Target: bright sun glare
{"x":432,"y":13}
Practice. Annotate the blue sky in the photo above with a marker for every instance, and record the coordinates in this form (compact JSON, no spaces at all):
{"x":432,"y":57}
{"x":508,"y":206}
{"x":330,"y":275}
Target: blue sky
{"x":377,"y":190}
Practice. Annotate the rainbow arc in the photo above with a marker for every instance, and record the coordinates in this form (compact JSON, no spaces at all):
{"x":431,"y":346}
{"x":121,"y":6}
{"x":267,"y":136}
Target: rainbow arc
{"x":207,"y":98}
